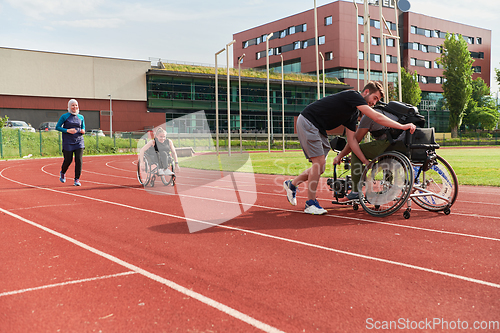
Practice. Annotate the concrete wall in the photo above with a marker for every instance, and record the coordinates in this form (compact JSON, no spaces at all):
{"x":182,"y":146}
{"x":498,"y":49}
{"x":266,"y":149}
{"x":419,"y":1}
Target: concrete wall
{"x":34,"y":73}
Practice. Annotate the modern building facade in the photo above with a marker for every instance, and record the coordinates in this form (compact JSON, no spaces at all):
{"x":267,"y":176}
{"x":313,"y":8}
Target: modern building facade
{"x":341,"y":43}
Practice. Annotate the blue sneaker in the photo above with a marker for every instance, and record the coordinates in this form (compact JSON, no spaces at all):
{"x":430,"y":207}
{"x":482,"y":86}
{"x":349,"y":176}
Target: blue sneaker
{"x":313,"y":207}
{"x":291,"y":191}
{"x":353,"y":196}
{"x":62,"y":177}
{"x":77,"y":182}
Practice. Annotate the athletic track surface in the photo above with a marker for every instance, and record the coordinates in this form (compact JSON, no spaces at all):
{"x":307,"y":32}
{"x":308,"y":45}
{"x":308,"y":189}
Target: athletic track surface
{"x":110,"y":256}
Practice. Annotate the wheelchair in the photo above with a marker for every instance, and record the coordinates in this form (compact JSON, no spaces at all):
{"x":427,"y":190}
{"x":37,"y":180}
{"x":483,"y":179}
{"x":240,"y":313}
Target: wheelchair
{"x":394,"y":179}
{"x":148,"y":169}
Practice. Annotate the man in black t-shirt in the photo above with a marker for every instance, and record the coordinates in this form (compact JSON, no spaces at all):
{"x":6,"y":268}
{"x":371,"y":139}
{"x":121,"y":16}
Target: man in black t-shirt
{"x":326,"y":114}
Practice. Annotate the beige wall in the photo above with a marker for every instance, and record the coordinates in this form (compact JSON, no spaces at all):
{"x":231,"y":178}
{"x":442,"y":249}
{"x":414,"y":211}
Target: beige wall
{"x":34,"y":73}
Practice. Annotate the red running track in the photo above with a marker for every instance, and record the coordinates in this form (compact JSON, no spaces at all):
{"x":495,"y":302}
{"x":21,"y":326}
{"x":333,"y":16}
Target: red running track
{"x":110,"y":256}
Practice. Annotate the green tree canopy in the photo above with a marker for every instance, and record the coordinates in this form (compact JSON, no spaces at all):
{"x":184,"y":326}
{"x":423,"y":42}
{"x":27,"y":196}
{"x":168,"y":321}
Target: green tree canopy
{"x":411,"y":92}
{"x":457,"y":87}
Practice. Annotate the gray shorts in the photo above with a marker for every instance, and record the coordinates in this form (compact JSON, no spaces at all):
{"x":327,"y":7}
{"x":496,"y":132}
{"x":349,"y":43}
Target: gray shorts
{"x":313,"y":143}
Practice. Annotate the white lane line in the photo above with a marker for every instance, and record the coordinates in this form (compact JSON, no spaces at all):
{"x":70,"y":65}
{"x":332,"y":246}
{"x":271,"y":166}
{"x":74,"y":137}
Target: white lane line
{"x":301,"y":212}
{"x":15,"y":292}
{"x":460,"y":277}
{"x":205,"y":300}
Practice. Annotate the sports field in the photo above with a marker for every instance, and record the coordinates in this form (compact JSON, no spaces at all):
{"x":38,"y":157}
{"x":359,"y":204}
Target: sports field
{"x":113,"y":256}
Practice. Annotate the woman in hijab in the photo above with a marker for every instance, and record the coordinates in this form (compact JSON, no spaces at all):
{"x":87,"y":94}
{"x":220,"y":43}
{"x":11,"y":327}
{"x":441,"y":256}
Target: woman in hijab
{"x":72,"y":126}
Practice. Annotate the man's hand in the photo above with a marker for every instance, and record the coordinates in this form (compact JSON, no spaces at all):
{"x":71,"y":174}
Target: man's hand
{"x":337,"y":160}
{"x":410,"y":127}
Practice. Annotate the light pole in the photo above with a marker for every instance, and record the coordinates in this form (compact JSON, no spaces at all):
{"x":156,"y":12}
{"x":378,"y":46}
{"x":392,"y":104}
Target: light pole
{"x":110,"y":116}
{"x":357,"y":39}
{"x":217,"y":102}
{"x":282,"y":103}
{"x":268,"y":102}
{"x":240,"y":59}
{"x":316,"y":44}
{"x":323,"y":64}
{"x":228,"y":100}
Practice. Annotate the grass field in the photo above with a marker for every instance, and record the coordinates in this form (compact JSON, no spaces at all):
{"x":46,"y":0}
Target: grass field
{"x":473,"y":166}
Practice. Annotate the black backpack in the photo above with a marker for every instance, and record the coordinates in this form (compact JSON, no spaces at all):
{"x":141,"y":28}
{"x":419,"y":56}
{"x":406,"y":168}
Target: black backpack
{"x":406,"y":113}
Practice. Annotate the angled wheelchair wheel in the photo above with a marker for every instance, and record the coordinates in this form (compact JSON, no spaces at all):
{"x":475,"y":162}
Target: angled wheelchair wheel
{"x":386,"y":184}
{"x":144,"y":171}
{"x":169,"y":180}
{"x":437,"y":188}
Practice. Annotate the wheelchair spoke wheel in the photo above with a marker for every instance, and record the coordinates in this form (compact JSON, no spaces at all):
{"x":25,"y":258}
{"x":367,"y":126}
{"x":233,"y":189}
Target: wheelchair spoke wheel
{"x":386,"y":184}
{"x":144,"y":171}
{"x":440,"y":183}
{"x":169,"y":180}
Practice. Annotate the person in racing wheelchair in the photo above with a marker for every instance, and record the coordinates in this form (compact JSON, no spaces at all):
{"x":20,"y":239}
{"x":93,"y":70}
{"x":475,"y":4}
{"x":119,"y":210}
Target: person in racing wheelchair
{"x":383,"y":141}
{"x":160,"y":151}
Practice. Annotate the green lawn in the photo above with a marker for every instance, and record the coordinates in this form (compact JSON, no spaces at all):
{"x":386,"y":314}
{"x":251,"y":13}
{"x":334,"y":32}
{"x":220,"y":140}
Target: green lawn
{"x":473,"y":166}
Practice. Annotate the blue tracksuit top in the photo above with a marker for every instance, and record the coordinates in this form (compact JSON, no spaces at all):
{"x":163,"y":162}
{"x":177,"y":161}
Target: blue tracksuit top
{"x":75,"y":141}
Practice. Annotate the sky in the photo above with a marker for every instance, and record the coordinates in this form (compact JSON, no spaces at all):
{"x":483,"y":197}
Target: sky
{"x":190,"y":31}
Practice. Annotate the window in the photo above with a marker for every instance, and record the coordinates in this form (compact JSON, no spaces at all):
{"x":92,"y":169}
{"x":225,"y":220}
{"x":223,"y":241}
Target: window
{"x":413,"y":62}
{"x":296,"y":45}
{"x":329,"y":55}
{"x":282,"y":33}
{"x":259,"y":40}
{"x":470,"y":40}
{"x":427,"y":64}
{"x":375,"y":40}
{"x":304,"y":44}
{"x":375,"y":23}
{"x":264,"y":38}
{"x":435,"y":33}
{"x":390,"y":42}
{"x":362,"y":39}
{"x":245,"y":44}
{"x":361,"y":55}
{"x":476,"y":69}
{"x":416,"y":46}
{"x":479,"y":40}
{"x":423,"y":79}
{"x":277,"y":50}
{"x":360,"y":20}
{"x":438,"y":79}
{"x":424,"y":48}
{"x":376,"y":57}
{"x":304,"y":27}
{"x":291,"y":30}
{"x":328,"y":20}
{"x":413,"y":29}
{"x":321,"y":40}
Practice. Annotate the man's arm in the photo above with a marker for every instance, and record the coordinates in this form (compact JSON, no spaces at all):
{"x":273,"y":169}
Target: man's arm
{"x":354,"y":145}
{"x":379,"y":118}
{"x":360,"y":134}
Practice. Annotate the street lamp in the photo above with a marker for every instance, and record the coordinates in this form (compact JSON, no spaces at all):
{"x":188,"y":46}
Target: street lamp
{"x":316,"y":44}
{"x":268,"y":102}
{"x":323,"y":64}
{"x":228,"y":100}
{"x":217,"y":102}
{"x":240,"y":59}
{"x":110,"y":116}
{"x":282,"y":102}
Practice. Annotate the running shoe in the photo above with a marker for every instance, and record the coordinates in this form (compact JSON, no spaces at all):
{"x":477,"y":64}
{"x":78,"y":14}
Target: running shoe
{"x":313,"y":207}
{"x":77,"y":182}
{"x":62,"y":177}
{"x":291,"y":191}
{"x":167,"y":172}
{"x":353,"y":196}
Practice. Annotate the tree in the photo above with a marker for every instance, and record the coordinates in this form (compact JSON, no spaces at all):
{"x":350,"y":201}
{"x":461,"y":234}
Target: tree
{"x":457,"y":87}
{"x":3,"y":121}
{"x":411,"y":92}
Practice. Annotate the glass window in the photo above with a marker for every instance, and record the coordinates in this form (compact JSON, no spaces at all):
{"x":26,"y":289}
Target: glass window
{"x":390,"y":42}
{"x":427,"y":33}
{"x":361,"y":55}
{"x":375,"y":40}
{"x":259,"y":40}
{"x":427,"y":64}
{"x":264,"y":38}
{"x":328,"y":20}
{"x":438,"y":79}
{"x":360,"y":20}
{"x":376,"y":58}
{"x":424,"y":48}
{"x":413,"y":29}
{"x":277,"y":50}
{"x":245,"y":44}
{"x":321,"y":40}
{"x":304,"y":44}
{"x":436,"y":65}
{"x":435,"y":33}
{"x":362,"y":39}
{"x":304,"y":27}
{"x":291,"y":30}
{"x":296,"y":45}
{"x":413,"y":61}
{"x":329,"y":55}
{"x":423,"y":79}
{"x":375,"y":23}
{"x":282,"y":33}
{"x":416,"y":46}
{"x":479,"y":40}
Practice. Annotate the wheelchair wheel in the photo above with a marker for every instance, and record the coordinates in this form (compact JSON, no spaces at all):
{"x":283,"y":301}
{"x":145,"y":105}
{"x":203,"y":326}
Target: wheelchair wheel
{"x":440,"y":183}
{"x":386,"y":184}
{"x":169,"y":180}
{"x":144,"y":171}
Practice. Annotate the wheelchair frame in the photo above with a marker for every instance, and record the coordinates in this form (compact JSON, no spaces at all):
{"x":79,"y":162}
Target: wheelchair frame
{"x":392,"y":179}
{"x":150,"y":173}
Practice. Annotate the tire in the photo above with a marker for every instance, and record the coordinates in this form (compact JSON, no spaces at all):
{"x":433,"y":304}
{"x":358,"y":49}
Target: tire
{"x":144,"y":176}
{"x":441,"y":182}
{"x":386,"y":184}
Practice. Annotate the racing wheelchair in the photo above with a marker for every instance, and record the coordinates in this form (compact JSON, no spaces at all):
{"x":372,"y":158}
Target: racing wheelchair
{"x":151,"y":167}
{"x":393,"y":178}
